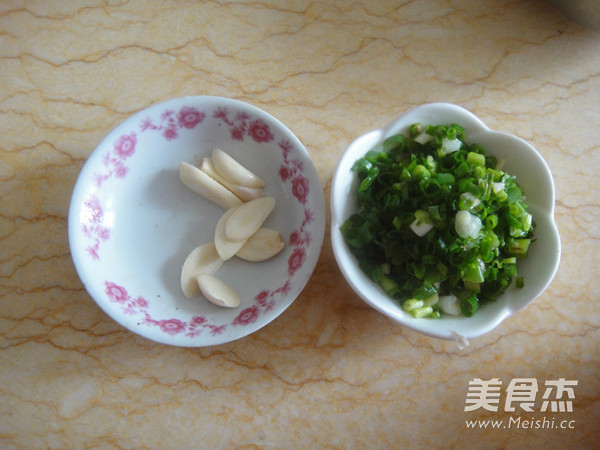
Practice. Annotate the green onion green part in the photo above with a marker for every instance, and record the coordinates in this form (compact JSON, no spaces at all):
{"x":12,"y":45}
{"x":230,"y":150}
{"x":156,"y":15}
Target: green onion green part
{"x":437,"y":217}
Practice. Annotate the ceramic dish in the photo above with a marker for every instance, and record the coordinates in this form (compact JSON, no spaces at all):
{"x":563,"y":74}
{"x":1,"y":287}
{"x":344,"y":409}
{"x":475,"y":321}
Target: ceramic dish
{"x":534,"y":177}
{"x":132,"y":222}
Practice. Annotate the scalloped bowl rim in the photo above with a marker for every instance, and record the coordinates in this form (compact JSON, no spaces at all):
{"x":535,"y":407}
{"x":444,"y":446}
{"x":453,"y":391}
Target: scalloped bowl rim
{"x":538,"y":269}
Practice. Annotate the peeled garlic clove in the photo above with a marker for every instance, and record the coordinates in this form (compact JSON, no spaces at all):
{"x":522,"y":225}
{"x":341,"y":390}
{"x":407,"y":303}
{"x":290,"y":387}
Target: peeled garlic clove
{"x":218,"y":292}
{"x":233,"y":171}
{"x":248,"y":218}
{"x":244,"y":193}
{"x":199,"y":182}
{"x":203,"y":259}
{"x":226,"y":247}
{"x":262,"y":245}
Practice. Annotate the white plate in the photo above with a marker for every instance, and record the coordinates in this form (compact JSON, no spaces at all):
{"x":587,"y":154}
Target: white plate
{"x":533,"y":176}
{"x":132,"y":222}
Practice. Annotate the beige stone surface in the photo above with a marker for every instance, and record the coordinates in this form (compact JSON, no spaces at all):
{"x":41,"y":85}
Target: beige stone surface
{"x":330,"y":372}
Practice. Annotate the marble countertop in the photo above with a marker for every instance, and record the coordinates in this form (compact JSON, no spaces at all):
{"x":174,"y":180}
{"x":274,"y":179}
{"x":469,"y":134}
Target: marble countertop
{"x":330,"y":372}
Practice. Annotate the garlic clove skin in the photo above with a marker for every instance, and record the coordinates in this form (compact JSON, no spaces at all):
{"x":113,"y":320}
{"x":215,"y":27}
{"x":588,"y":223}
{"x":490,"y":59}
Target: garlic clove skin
{"x":233,"y":171}
{"x":246,"y":219}
{"x":203,"y":259}
{"x":218,"y":292}
{"x":207,"y":187}
{"x":227,"y":248}
{"x":262,"y":245}
{"x":244,"y":193}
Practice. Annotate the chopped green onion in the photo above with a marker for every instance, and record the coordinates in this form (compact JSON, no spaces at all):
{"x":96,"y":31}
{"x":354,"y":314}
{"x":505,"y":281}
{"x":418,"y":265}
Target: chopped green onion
{"x":491,"y":221}
{"x":518,"y":247}
{"x":438,"y":219}
{"x":420,"y":172}
{"x":412,"y":304}
{"x":476,"y":159}
{"x":394,"y":144}
{"x":519,"y":282}
{"x":425,"y":311}
{"x":430,"y":301}
{"x":469,"y":305}
{"x":472,"y":272}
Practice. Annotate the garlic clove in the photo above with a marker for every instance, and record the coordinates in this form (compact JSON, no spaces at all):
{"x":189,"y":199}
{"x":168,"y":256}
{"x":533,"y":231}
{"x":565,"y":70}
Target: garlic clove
{"x":217,"y":291}
{"x":233,"y":171}
{"x":205,"y":186}
{"x":226,"y":247}
{"x":203,"y":259}
{"x":244,"y":193}
{"x":262,"y":245}
{"x":246,"y":219}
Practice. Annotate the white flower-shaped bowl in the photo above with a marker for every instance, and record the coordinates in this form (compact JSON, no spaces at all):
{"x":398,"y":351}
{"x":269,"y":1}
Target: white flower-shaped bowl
{"x":132,"y":222}
{"x":533,"y":176}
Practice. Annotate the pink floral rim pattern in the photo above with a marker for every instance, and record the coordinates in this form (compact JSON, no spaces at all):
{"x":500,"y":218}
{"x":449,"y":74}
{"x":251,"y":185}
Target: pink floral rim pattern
{"x":171,"y":124}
